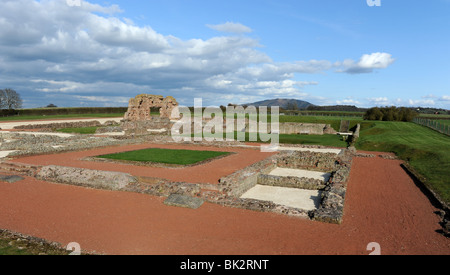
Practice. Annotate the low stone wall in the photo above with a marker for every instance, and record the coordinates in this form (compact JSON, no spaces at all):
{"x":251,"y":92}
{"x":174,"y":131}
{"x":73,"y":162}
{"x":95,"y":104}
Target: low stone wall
{"x":86,"y":178}
{"x":238,"y":183}
{"x":109,"y":129}
{"x":163,"y":188}
{"x":77,"y":124}
{"x":324,"y":162}
{"x":29,"y":144}
{"x":291,"y":128}
{"x":331,"y":208}
{"x":355,"y":136}
{"x":292,"y":182}
{"x":295,"y":128}
{"x":142,"y":127}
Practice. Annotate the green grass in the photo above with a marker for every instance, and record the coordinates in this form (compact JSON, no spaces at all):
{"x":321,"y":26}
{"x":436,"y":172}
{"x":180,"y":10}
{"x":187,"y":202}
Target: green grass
{"x":84,"y":130}
{"x":6,"y":249}
{"x":427,"y":151}
{"x":166,"y":156}
{"x":15,"y":118}
{"x":325,"y":140}
{"x":433,"y":116}
{"x":11,"y":246}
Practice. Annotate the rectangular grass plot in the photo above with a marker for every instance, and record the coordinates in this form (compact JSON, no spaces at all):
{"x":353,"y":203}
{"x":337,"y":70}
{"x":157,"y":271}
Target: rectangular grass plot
{"x":166,"y":156}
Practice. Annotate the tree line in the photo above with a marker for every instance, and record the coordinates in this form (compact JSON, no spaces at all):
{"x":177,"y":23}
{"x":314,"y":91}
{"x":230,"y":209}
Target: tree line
{"x":336,"y":108}
{"x":391,"y":114}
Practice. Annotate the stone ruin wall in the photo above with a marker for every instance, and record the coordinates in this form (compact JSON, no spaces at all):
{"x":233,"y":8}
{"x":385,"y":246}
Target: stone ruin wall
{"x":140,"y":106}
{"x":295,"y":128}
{"x":138,"y":118}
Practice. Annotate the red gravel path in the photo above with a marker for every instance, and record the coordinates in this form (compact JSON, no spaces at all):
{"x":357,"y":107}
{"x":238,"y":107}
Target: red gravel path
{"x":383,"y":205}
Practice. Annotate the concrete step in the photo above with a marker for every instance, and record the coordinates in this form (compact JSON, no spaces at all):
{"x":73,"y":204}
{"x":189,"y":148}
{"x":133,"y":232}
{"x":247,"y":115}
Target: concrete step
{"x":291,"y":197}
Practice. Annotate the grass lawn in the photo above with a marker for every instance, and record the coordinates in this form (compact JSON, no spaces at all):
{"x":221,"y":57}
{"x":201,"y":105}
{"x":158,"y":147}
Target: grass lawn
{"x":427,"y":151}
{"x":167,"y":156}
{"x":84,"y":130}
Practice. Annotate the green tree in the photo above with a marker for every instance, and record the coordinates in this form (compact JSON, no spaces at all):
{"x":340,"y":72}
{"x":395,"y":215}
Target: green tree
{"x":391,"y":114}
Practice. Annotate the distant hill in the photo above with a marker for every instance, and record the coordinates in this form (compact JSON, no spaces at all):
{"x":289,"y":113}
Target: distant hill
{"x":282,"y":103}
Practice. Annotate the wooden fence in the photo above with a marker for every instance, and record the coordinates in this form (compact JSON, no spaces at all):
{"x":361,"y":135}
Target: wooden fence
{"x":433,"y":124}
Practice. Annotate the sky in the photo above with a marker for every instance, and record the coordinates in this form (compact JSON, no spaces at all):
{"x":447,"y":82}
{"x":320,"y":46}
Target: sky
{"x":96,"y":53}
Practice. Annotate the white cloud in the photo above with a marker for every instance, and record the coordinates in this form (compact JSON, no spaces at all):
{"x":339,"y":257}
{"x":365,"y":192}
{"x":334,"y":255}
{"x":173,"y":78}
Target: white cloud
{"x":421,"y":102}
{"x":348,"y":101}
{"x":379,"y":101}
{"x":366,"y":64}
{"x":429,"y":96}
{"x":48,"y":48}
{"x":115,"y":32}
{"x":230,"y":27}
{"x":102,"y":99}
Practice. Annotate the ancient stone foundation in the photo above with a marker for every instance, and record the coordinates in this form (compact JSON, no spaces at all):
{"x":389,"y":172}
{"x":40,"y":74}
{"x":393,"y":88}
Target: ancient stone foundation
{"x":333,"y":191}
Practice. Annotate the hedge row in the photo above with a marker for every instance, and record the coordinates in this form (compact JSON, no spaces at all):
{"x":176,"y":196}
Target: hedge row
{"x":63,"y":111}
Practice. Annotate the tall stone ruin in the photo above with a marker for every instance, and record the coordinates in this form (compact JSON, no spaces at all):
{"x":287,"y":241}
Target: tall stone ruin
{"x":138,"y":118}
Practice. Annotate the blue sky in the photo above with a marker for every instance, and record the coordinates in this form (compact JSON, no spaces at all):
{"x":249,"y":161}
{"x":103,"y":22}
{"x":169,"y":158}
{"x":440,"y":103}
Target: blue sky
{"x":326,"y":52}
